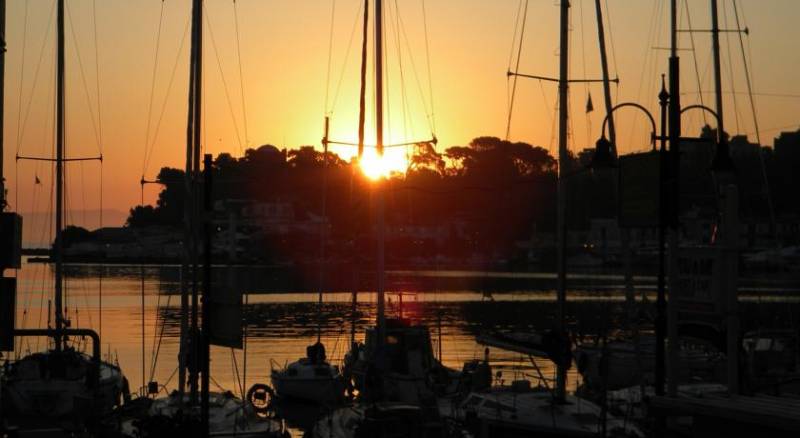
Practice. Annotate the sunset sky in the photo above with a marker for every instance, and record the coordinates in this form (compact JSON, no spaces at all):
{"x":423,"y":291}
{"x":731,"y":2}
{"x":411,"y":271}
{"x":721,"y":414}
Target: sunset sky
{"x":284,"y":63}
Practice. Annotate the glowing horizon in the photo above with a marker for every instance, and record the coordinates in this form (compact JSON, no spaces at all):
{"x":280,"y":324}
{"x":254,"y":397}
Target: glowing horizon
{"x":281,"y":97}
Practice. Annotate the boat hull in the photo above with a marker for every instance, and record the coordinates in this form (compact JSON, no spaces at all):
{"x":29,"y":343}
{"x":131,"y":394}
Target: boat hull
{"x":324,"y":390}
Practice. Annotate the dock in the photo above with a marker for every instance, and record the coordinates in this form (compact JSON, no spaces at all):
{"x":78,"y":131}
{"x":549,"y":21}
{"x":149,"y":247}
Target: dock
{"x":715,"y":415}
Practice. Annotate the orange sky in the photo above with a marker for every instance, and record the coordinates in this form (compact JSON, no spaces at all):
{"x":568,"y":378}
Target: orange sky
{"x":284,"y":58}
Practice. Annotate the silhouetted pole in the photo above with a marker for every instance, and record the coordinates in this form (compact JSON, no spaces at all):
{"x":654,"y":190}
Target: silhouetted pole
{"x":663,"y":223}
{"x":625,"y":233}
{"x":363,"y":89}
{"x":204,"y":334}
{"x":196,"y":206}
{"x":674,"y":203}
{"x":717,"y":71}
{"x":184,"y":353}
{"x":60,"y":137}
{"x":561,"y":231}
{"x":380,"y":184}
{"x":362,"y":111}
{"x":2,"y":104}
{"x":601,"y":35}
{"x":323,"y":234}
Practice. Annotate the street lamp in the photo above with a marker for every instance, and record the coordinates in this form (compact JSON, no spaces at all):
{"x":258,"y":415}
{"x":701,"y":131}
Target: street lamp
{"x":722,"y":169}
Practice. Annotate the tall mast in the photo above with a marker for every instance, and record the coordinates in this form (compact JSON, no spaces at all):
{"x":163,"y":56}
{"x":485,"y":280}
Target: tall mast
{"x":361,"y":117}
{"x":379,"y":148}
{"x":601,"y":35}
{"x":2,"y":102}
{"x":561,"y":230}
{"x":189,"y":264}
{"x":363,"y":91}
{"x":323,"y":227}
{"x":59,"y":275}
{"x":717,"y":71}
{"x":673,"y":208}
{"x":197,"y":67}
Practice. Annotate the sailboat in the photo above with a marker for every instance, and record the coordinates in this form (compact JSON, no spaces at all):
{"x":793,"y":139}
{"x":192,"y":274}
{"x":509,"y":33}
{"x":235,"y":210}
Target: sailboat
{"x":519,"y":409}
{"x":63,"y":387}
{"x":394,"y":372}
{"x":313,"y":378}
{"x":200,"y":411}
{"x":396,"y":361}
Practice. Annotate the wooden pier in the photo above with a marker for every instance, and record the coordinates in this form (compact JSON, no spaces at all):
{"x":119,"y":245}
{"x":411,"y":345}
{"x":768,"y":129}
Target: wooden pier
{"x":717,"y":415}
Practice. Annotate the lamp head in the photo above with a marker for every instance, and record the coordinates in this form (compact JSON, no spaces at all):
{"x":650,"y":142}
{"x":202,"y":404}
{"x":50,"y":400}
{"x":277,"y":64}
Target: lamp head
{"x":603,"y":159}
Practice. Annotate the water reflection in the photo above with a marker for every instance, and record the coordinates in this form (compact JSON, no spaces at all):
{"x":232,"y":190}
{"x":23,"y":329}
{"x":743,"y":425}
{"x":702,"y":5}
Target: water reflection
{"x":279,"y":325}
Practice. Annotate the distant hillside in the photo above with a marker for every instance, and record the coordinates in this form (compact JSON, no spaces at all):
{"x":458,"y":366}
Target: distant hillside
{"x":38,"y":225}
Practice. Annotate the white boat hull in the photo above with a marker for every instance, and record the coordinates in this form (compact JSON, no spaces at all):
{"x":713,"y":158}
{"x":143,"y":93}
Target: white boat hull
{"x":228,"y":416}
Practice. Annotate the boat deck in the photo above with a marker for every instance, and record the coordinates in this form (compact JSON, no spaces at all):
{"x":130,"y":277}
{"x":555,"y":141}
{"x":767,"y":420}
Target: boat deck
{"x":763,"y":411}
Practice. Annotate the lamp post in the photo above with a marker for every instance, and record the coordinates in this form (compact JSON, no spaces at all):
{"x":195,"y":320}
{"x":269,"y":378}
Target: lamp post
{"x":722,"y":170}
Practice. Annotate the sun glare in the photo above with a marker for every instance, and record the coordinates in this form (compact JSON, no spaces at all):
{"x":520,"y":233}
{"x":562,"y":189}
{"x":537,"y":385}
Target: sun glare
{"x":376,"y":167}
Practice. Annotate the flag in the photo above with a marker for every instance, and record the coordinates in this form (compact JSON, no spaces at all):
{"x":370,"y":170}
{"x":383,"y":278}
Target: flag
{"x":589,"y":106}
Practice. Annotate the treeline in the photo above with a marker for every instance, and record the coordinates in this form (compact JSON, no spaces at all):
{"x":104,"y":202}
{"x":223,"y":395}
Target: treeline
{"x":498,"y":190}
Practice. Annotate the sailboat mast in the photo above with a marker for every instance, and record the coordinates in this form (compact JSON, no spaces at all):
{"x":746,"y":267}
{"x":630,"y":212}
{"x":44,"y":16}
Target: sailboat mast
{"x":197,"y":67}
{"x":59,"y":274}
{"x":380,"y":184}
{"x":717,"y":70}
{"x":561,"y":225}
{"x":673,"y":189}
{"x":361,"y":116}
{"x":189,"y":263}
{"x":323,"y":227}
{"x":601,"y":35}
{"x":2,"y":103}
{"x":363,"y":91}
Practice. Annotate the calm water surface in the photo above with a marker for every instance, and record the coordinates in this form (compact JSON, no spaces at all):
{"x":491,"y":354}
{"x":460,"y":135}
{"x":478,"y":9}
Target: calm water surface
{"x":279,"y":326}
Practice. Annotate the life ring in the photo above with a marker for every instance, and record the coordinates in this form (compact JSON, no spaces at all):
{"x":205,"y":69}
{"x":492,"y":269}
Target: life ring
{"x":259,"y":396}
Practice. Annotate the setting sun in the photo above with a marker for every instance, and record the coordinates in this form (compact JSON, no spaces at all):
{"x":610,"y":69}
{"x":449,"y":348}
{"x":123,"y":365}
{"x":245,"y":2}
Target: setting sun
{"x":376,"y":167}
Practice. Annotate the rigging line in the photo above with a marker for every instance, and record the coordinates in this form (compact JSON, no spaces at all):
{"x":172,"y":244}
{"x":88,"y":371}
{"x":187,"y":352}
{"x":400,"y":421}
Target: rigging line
{"x":244,"y":340}
{"x":152,"y":88}
{"x":404,"y":105}
{"x":327,"y":110}
{"x":736,"y":112}
{"x":514,"y":36}
{"x":648,"y":64}
{"x":27,"y":111}
{"x":516,"y":68}
{"x":83,"y":76}
{"x":100,"y":132}
{"x":749,"y":81}
{"x":788,"y":96}
{"x":241,"y":75}
{"x":511,"y":52}
{"x":97,"y":77}
{"x":546,"y":104}
{"x":428,"y":59}
{"x":235,"y":373}
{"x":22,"y":77}
{"x":152,"y":145}
{"x":694,"y":58}
{"x":583,"y":66}
{"x":160,"y":338}
{"x":386,"y":69}
{"x":416,"y":75}
{"x":346,"y":56}
{"x":224,"y":82}
{"x":609,"y":28}
{"x":775,"y":128}
{"x":102,"y":266}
